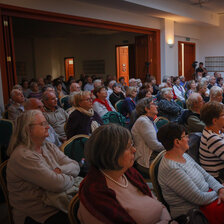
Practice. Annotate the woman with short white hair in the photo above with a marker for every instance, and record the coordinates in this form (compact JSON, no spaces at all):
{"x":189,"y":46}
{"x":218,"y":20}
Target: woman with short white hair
{"x":216,"y":94}
{"x":36,"y":167}
{"x":167,"y":107}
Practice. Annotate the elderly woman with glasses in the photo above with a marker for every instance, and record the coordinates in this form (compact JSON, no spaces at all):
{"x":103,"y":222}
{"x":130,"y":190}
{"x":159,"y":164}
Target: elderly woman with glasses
{"x":83,"y":120}
{"x":36,"y":167}
{"x":185,"y":184}
{"x":144,"y":135}
{"x":113,"y":191}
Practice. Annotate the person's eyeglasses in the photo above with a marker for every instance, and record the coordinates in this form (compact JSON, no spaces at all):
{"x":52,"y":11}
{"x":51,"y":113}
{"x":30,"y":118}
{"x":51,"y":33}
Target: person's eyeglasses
{"x":131,"y":145}
{"x":43,"y":124}
{"x":88,"y":99}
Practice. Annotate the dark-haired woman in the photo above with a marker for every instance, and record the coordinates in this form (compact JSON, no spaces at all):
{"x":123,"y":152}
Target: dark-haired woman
{"x":113,"y":191}
{"x":185,"y":184}
{"x":211,"y":150}
{"x":116,"y":95}
{"x":101,"y":105}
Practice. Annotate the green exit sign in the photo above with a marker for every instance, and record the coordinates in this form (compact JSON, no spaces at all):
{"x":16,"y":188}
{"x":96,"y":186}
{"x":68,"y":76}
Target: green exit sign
{"x":188,"y":38}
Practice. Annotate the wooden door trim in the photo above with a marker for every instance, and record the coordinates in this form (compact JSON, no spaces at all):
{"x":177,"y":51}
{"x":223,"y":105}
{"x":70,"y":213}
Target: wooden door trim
{"x":180,"y":55}
{"x":70,"y":19}
{"x":14,"y":11}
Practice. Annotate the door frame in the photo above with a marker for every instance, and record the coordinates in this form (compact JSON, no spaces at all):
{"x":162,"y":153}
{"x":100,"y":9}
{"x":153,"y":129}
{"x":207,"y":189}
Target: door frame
{"x":180,"y":55}
{"x":66,"y":78}
{"x":20,"y":12}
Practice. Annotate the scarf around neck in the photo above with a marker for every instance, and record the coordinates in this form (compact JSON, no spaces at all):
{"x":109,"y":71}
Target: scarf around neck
{"x":89,"y":113}
{"x":105,"y":103}
{"x":101,"y":201}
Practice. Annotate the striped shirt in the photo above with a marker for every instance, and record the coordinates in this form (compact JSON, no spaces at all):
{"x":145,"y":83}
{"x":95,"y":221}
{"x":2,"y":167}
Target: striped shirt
{"x":211,"y":152}
{"x":185,"y":185}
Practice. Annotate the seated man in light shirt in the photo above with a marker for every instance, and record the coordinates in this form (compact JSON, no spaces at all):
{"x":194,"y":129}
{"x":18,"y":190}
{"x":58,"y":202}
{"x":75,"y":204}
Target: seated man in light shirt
{"x":16,"y":107}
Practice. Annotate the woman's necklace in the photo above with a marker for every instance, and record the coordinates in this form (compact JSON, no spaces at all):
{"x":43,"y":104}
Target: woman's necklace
{"x":119,"y":184}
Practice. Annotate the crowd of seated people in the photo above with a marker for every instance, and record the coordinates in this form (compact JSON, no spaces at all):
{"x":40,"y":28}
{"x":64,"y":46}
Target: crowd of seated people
{"x":89,"y":100}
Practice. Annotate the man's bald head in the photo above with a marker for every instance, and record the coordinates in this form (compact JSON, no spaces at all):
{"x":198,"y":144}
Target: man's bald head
{"x":34,"y":104}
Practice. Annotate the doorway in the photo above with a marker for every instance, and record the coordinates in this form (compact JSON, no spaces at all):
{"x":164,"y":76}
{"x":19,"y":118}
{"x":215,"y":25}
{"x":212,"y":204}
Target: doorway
{"x":69,"y":68}
{"x":8,"y":61}
{"x":186,"y":57}
{"x":122,"y":59}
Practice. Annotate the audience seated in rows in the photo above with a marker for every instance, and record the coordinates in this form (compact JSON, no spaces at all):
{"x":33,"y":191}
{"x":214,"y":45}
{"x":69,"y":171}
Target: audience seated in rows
{"x":83,"y":120}
{"x":121,"y":193}
{"x":35,"y":104}
{"x":101,"y":105}
{"x":16,"y":107}
{"x":35,"y":168}
{"x":167,"y":107}
{"x":55,"y":115}
{"x":211,"y":150}
{"x":185,"y":184}
{"x":144,"y":135}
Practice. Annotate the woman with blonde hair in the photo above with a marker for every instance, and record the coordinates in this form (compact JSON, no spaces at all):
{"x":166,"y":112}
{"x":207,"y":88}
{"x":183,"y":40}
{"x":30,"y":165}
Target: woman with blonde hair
{"x":129,"y":102}
{"x":83,"y":120}
{"x":36,"y":167}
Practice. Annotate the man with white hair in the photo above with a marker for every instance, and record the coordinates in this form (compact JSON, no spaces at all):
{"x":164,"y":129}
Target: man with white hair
{"x":191,"y":117}
{"x":212,"y":82}
{"x":16,"y":107}
{"x":97,"y":82}
{"x":109,"y":88}
{"x":133,"y":82}
{"x":55,"y":115}
{"x":216,"y":94}
{"x":75,"y":87}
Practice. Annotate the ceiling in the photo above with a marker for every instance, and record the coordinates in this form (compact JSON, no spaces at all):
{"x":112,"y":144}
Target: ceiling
{"x":147,"y":7}
{"x":216,"y":6}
